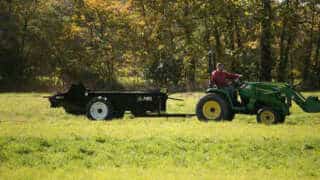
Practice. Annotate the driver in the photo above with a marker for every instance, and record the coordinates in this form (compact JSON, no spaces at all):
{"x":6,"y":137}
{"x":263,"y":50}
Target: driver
{"x":221,"y":78}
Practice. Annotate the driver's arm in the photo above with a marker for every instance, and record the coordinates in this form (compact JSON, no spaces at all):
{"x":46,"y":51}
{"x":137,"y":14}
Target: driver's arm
{"x":232,"y":76}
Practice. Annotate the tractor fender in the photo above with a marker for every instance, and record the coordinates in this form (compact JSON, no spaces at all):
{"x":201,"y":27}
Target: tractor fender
{"x":222,"y":93}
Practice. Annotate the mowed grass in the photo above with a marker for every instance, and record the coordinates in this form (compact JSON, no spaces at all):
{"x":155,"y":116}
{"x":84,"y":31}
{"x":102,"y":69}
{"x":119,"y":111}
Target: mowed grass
{"x":37,"y":142}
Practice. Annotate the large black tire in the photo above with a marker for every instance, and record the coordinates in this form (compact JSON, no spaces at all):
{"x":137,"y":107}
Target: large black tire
{"x":230,"y":115}
{"x":282,"y":119}
{"x":99,"y":109}
{"x":219,"y":110}
{"x":268,"y":116}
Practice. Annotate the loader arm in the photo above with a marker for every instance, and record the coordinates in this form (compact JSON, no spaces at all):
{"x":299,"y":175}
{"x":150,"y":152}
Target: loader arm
{"x":310,"y":104}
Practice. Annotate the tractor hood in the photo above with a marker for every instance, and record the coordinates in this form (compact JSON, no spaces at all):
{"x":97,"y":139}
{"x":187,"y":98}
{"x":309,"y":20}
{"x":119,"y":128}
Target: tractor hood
{"x":266,"y":86}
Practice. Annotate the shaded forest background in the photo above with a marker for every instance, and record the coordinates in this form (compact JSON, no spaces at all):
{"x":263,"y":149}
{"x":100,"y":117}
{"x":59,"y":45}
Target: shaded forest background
{"x":48,"y":44}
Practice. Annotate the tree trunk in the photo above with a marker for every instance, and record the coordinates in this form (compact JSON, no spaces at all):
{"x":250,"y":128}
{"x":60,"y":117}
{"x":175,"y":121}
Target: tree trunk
{"x":266,"y":37}
{"x":317,"y":56}
{"x":282,"y":65}
{"x":237,"y":46}
{"x":24,"y":34}
{"x":10,"y":9}
{"x":219,"y":53}
{"x":192,"y":66}
{"x":308,"y":56}
{"x":238,"y":35}
{"x":211,"y":62}
{"x":317,"y":59}
{"x":285,"y":43}
{"x":188,"y":35}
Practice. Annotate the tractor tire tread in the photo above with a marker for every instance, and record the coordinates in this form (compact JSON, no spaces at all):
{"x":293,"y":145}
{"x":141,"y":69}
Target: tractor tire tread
{"x":226,"y":111}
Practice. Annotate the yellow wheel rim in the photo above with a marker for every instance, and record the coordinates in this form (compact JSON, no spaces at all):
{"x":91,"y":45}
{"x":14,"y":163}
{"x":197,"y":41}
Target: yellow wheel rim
{"x":267,"y":117}
{"x":211,"y":110}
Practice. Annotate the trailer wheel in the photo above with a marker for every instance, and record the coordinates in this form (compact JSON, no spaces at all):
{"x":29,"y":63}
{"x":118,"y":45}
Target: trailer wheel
{"x":99,"y":109}
{"x":213,"y":107}
{"x":267,"y":116}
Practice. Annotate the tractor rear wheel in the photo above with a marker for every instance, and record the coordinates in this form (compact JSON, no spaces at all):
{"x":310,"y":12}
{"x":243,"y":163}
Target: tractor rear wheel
{"x":282,"y":119}
{"x":230,"y":116}
{"x":268,"y":116}
{"x":213,"y":107}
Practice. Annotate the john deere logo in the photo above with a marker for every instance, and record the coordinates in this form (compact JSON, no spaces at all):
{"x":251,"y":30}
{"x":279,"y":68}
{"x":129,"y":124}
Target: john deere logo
{"x":144,"y":98}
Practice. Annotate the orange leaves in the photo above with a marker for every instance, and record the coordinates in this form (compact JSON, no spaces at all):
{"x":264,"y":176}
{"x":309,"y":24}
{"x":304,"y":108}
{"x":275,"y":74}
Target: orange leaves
{"x":109,"y":5}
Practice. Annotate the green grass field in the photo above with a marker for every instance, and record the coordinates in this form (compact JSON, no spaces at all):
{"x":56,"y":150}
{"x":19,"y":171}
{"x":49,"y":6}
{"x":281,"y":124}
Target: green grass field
{"x":37,"y":142}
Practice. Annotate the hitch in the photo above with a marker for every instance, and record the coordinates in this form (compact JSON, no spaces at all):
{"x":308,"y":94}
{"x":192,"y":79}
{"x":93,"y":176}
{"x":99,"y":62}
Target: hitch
{"x":175,"y":99}
{"x":55,"y":101}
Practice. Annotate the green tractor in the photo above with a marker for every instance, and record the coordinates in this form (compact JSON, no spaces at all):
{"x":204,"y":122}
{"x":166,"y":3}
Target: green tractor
{"x":271,"y":102}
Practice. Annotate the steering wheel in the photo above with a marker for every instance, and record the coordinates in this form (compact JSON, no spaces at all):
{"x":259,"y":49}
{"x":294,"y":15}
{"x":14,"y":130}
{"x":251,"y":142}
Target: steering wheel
{"x":236,"y":82}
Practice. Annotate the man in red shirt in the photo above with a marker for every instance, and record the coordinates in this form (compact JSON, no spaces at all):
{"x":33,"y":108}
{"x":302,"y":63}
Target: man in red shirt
{"x":221,"y":78}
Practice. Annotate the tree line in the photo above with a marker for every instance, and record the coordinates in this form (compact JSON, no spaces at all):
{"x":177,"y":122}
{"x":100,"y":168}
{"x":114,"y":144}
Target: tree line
{"x":158,"y":43}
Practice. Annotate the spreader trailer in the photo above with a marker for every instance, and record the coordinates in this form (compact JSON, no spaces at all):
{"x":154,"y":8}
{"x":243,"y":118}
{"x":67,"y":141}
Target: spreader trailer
{"x":106,"y":105}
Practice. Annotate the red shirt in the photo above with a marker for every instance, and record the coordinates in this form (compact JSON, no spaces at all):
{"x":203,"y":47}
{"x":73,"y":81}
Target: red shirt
{"x":220,"y":78}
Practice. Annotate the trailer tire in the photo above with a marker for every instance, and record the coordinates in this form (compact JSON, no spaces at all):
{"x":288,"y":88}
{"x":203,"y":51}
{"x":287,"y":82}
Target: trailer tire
{"x":99,"y":109}
{"x":213,"y":107}
{"x":267,"y":116}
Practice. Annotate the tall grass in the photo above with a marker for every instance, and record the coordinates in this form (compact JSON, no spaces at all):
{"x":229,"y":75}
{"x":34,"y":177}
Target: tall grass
{"x":37,"y":142}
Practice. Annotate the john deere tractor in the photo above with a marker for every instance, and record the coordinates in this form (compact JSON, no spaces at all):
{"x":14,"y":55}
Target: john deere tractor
{"x":271,"y":102}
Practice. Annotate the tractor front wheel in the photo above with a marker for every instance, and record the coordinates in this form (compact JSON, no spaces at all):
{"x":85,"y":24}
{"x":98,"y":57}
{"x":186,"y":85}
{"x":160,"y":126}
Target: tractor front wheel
{"x":213,"y":107}
{"x":268,"y":116}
